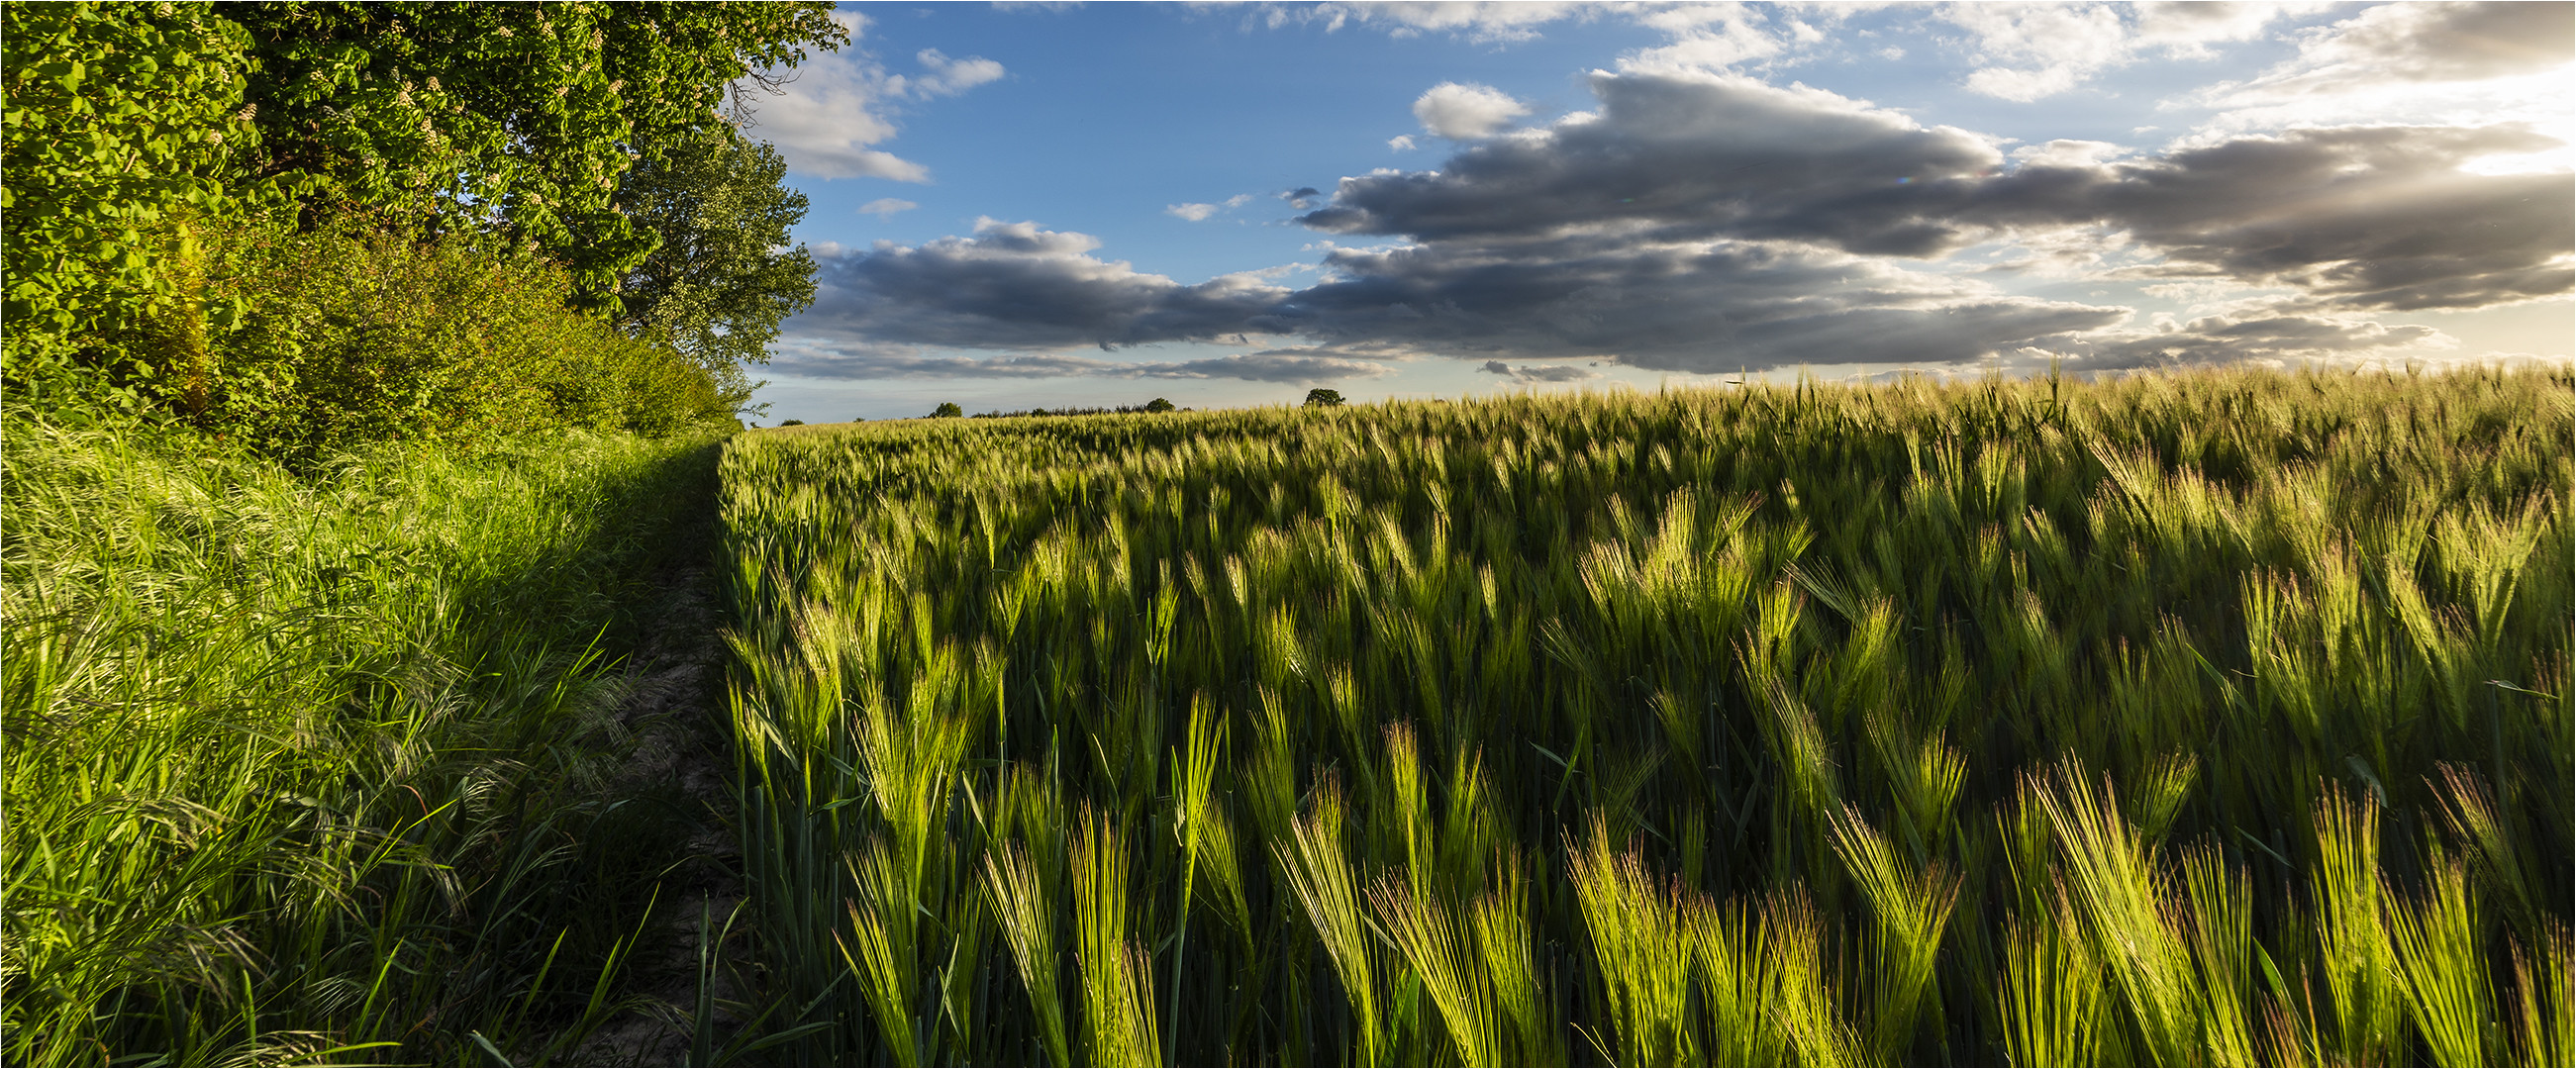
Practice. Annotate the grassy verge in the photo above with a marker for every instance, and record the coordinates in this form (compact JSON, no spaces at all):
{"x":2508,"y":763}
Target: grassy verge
{"x":2202,"y":718}
{"x":327,"y":766}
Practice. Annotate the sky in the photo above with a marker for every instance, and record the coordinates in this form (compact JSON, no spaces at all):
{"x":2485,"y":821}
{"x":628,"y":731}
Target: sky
{"x":1021,"y":206}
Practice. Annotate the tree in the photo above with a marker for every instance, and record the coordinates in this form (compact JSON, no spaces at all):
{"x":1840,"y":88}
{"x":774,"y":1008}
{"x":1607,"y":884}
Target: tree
{"x":1158,"y":405}
{"x":122,"y":120}
{"x":516,"y":117}
{"x":946,"y":410}
{"x":722,"y":277}
{"x":1323,"y":398}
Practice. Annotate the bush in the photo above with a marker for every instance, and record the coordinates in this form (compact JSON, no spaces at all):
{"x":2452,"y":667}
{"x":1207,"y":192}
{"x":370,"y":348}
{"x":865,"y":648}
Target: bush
{"x":354,"y":334}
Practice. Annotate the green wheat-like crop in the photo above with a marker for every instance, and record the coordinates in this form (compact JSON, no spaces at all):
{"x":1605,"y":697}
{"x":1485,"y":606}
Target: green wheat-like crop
{"x":2207,"y":717}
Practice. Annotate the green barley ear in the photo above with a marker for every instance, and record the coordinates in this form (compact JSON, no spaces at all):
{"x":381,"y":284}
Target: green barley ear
{"x":2030,"y":849}
{"x":1643,"y":950}
{"x":2443,"y":969}
{"x":1738,"y":985}
{"x":1412,"y":805}
{"x":1028,"y":925}
{"x":1271,"y":778}
{"x":2114,"y":886}
{"x":1117,"y":984}
{"x":2470,"y":812}
{"x":2361,"y":973}
{"x":2544,"y":1034}
{"x":2052,"y":992}
{"x":883,"y":923}
{"x":1320,"y":877}
{"x":1804,"y":1007}
{"x":2166,"y":786}
{"x":2222,"y":941}
{"x":1912,"y":904}
{"x":1442,"y":953}
{"x":1503,"y":946}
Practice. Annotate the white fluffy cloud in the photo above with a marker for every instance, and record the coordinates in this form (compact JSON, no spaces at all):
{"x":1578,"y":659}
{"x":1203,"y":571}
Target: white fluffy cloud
{"x":839,"y":105}
{"x":1200,"y":213}
{"x":1463,"y":112}
{"x":2028,"y":51}
{"x":1476,"y":20}
{"x":886,"y":207}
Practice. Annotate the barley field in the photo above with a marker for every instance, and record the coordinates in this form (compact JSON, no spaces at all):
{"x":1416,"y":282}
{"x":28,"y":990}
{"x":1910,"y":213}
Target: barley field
{"x":2189,"y":718}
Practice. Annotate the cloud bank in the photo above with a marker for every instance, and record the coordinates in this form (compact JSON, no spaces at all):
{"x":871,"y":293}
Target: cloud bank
{"x":1700,"y":221}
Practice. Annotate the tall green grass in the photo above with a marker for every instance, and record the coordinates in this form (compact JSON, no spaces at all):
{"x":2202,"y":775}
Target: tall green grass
{"x":2186,"y":718}
{"x":325,"y":766}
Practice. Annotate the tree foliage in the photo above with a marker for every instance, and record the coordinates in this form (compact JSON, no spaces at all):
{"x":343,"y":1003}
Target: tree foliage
{"x":122,"y":122}
{"x":511,"y":115}
{"x":239,"y":215}
{"x":723,"y":276}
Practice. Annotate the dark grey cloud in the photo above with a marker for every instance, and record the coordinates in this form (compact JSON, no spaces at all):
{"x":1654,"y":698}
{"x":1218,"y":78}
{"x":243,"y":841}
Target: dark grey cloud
{"x":1680,"y":307}
{"x":1539,"y":372}
{"x":1016,"y":286}
{"x":1295,"y":366}
{"x":1705,"y":223}
{"x":2357,"y":217}
{"x":2258,"y":335}
{"x":827,"y":360}
{"x":1689,"y":155}
{"x":2430,"y":42}
{"x":2363,"y":217}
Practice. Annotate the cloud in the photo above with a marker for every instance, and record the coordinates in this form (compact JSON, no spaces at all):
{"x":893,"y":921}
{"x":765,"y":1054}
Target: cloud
{"x":2390,"y":217}
{"x":1015,"y":286}
{"x":2029,"y":51}
{"x":2260,"y":335}
{"x":1695,"y":152}
{"x":837,"y":105}
{"x":2413,"y":64}
{"x":1295,"y":366}
{"x":2355,"y":217}
{"x":1200,"y":213}
{"x":1690,"y":306}
{"x":2429,"y":42}
{"x":1464,"y":112}
{"x":1704,"y":222}
{"x":1711,"y":37}
{"x":844,"y":360}
{"x":1539,"y":372}
{"x":1483,"y":22}
{"x":886,"y":207}
{"x":1400,"y":142}
{"x":948,"y":77}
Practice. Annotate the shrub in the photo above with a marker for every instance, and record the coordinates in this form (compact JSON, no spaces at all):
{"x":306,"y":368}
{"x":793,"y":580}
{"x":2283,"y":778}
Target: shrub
{"x":352,"y":333}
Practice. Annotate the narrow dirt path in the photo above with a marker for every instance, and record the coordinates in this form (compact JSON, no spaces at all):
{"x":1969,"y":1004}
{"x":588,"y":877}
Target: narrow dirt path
{"x":681,"y":752}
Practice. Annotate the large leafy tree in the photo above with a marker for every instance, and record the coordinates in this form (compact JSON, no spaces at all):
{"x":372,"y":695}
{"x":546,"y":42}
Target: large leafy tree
{"x":516,"y":117}
{"x":723,"y":275}
{"x":122,"y":123}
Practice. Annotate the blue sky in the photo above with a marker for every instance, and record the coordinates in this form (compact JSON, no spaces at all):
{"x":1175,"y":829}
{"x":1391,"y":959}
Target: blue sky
{"x":1020,"y":206}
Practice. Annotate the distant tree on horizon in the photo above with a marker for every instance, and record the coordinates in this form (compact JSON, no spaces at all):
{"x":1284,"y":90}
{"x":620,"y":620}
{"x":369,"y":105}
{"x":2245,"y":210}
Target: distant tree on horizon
{"x":946,"y":409}
{"x":1323,"y":398}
